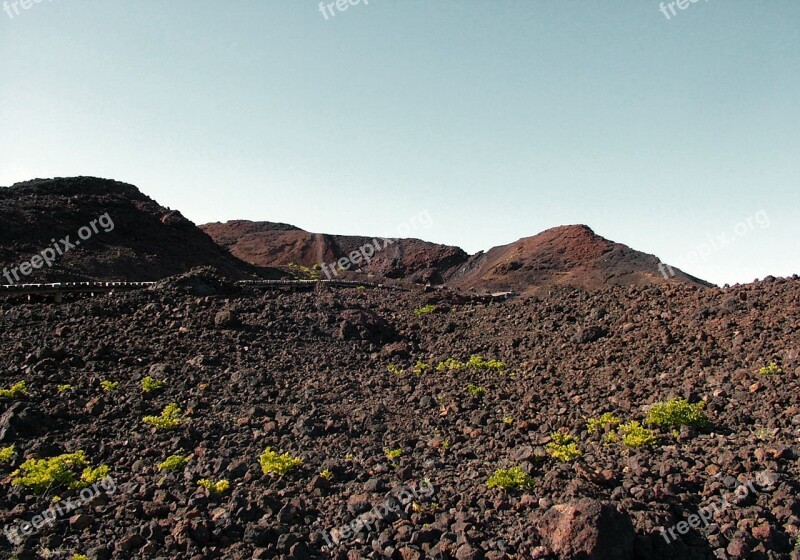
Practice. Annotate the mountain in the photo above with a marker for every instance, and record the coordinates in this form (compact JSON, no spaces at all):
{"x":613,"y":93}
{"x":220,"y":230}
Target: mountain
{"x":567,"y":255}
{"x":84,"y":228}
{"x":271,"y":244}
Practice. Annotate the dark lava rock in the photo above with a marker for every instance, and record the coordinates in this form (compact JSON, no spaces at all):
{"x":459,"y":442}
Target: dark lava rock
{"x":588,"y":529}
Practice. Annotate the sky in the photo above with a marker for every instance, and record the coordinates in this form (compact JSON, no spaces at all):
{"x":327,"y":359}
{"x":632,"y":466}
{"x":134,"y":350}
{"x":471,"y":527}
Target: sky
{"x":677,"y":134}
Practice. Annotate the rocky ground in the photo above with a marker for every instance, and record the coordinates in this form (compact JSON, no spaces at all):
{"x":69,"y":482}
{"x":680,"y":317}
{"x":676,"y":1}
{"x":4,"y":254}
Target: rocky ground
{"x":306,"y":374}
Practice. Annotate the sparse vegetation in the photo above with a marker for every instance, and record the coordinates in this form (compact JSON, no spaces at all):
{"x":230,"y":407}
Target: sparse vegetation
{"x":675,"y":413}
{"x":449,"y":364}
{"x":6,"y":453}
{"x":511,"y":479}
{"x":479,"y":362}
{"x":424,"y":310}
{"x":476,"y":391}
{"x":218,"y":487}
{"x":605,"y":422}
{"x":563,"y":447}
{"x":771,"y":369}
{"x":508,"y":420}
{"x":150,"y":384}
{"x":303,"y":272}
{"x":326,"y":474}
{"x":63,"y":388}
{"x":275,"y":463}
{"x":635,"y":435}
{"x":109,"y":386}
{"x":18,"y":389}
{"x":395,"y":370}
{"x":420,"y":368}
{"x":393,"y":454}
{"x":174,"y":462}
{"x":40,"y":475}
{"x":169,"y":419}
{"x":77,"y":556}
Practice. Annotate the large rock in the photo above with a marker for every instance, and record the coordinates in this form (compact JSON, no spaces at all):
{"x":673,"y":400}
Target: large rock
{"x":587,"y":530}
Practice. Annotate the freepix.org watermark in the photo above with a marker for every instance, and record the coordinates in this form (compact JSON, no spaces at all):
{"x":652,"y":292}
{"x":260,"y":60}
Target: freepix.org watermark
{"x":17,"y":532}
{"x":50,"y":255}
{"x":326,"y":8}
{"x":392,"y":504}
{"x":368,"y":250}
{"x":706,"y":514}
{"x":15,"y":5}
{"x":669,"y":7}
{"x":717,"y":242}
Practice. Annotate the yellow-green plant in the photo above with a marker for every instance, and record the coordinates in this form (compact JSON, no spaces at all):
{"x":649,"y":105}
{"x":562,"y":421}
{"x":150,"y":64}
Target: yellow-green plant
{"x":169,"y":419}
{"x":508,"y":420}
{"x":77,"y":556}
{"x":771,"y":369}
{"x":635,"y":435}
{"x":476,"y":391}
{"x":607,"y":421}
{"x":563,"y":447}
{"x":218,"y":487}
{"x":43,"y":474}
{"x":174,"y":462}
{"x":424,"y":310}
{"x":675,"y":413}
{"x":275,"y":463}
{"x":393,"y":454}
{"x":326,"y":474}
{"x":149,"y":384}
{"x":511,"y":479}
{"x":6,"y":453}
{"x":109,"y":386}
{"x":420,"y":368}
{"x":63,"y":388}
{"x":18,"y":389}
{"x":393,"y":369}
{"x":303,"y":272}
{"x":479,"y":362}
{"x":449,"y":364}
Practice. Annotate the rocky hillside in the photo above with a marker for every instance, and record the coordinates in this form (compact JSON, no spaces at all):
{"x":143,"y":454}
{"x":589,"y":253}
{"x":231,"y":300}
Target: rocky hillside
{"x":355,"y":424}
{"x":97,"y":229}
{"x":569,"y":255}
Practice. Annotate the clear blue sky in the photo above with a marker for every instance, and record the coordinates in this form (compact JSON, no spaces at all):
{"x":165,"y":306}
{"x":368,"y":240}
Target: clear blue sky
{"x":501,"y":118}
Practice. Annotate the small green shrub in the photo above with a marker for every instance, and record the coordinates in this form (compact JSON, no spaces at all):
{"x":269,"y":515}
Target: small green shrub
{"x":424,"y":310}
{"x":420,"y":368}
{"x":395,"y":370}
{"x":16,"y":390}
{"x":109,"y":386}
{"x":326,"y":474}
{"x":6,"y":453}
{"x":218,"y":487}
{"x":479,"y":362}
{"x":42,"y":474}
{"x":563,"y":447}
{"x":274,"y":463}
{"x":510,"y":479}
{"x":77,"y":556}
{"x":675,"y":413}
{"x":476,"y":391}
{"x":303,"y":272}
{"x":771,"y":369}
{"x":170,"y":418}
{"x":174,"y":462}
{"x":63,"y":388}
{"x":149,"y":384}
{"x":635,"y":435}
{"x":449,"y":364}
{"x":393,"y":454}
{"x":607,"y":421}
{"x":508,"y":420}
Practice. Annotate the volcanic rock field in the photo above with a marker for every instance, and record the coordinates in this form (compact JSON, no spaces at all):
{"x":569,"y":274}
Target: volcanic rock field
{"x":392,"y":413}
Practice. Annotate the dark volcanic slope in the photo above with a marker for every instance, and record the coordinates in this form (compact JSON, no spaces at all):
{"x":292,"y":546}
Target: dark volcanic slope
{"x":147,"y":242}
{"x":270,"y":244}
{"x":306,"y":374}
{"x":567,"y":255}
